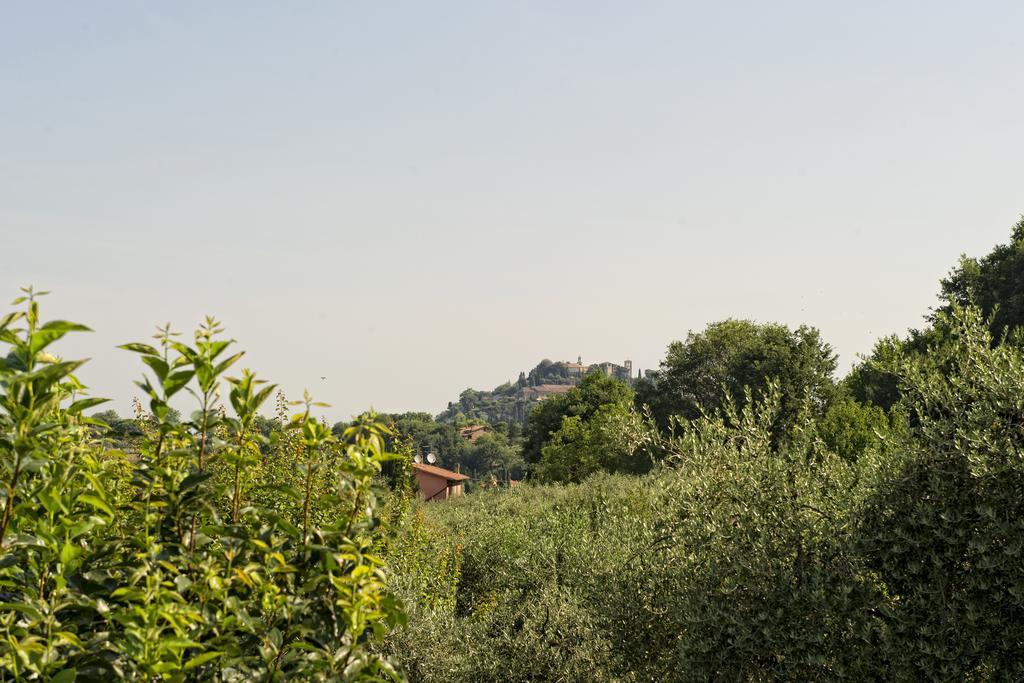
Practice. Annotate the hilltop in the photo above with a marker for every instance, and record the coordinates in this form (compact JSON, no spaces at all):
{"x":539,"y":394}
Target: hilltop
{"x":511,"y":402}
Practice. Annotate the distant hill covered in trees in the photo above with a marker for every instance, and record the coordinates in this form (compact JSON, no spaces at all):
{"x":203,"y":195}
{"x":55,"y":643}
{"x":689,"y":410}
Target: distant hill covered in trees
{"x":510,"y":403}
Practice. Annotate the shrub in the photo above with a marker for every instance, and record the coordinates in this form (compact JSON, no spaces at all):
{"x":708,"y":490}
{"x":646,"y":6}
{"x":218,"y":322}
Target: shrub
{"x":944,"y":526}
{"x":157,"y":565}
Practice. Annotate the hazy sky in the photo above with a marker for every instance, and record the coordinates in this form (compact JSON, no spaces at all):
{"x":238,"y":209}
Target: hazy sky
{"x":412,"y":198}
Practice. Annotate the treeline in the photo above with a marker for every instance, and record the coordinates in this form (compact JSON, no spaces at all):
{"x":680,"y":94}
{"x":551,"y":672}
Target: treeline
{"x":495,"y":455}
{"x":735,"y":362}
{"x":788,"y":526}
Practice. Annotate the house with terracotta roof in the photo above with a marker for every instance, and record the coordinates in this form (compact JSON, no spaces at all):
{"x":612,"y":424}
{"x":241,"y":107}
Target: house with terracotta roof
{"x":437,"y":483}
{"x":474,"y":432}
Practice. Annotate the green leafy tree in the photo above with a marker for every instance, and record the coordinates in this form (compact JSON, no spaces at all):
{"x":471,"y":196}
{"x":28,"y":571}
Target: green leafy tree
{"x":492,"y":454}
{"x":870,"y":382}
{"x":582,"y":401}
{"x":994,"y":283}
{"x":598,"y":443}
{"x":851,"y":429}
{"x":717,"y":365}
{"x":942,"y":527}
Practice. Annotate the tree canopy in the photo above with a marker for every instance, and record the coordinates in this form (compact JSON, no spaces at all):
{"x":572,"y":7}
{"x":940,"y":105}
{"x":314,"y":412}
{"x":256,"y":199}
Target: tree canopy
{"x":719,"y":364}
{"x":993,"y":283}
{"x":583,"y":401}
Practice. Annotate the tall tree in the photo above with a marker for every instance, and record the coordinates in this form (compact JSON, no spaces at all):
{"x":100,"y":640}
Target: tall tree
{"x":719,"y":364}
{"x":583,"y":401}
{"x":994,"y":283}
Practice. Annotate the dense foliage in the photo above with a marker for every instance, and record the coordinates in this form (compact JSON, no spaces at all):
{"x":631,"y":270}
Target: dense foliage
{"x":744,"y":560}
{"x":583,"y":401}
{"x":729,"y":358}
{"x":492,"y":455}
{"x":740,"y":516}
{"x":993,"y":283}
{"x":196,"y":556}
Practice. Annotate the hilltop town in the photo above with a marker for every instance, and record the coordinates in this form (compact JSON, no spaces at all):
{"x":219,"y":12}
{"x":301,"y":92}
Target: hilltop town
{"x":511,"y":402}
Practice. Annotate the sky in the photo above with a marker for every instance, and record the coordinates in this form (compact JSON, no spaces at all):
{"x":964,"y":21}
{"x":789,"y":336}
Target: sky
{"x":386,"y":203}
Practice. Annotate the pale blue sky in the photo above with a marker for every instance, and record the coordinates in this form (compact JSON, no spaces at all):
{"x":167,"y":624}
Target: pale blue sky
{"x":413,"y":198}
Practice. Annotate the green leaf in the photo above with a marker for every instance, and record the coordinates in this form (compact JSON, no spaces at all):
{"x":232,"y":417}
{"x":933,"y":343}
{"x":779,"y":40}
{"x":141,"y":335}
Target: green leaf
{"x":53,"y":372}
{"x":228,"y":362}
{"x":158,"y":365}
{"x":96,"y":502}
{"x":199,"y":660}
{"x":216,"y":348}
{"x":144,"y":349}
{"x":68,"y":553}
{"x":84,"y":403}
{"x":51,"y":332}
{"x":176,"y":380}
{"x":178,"y":643}
{"x":65,"y":676}
{"x":28,"y":610}
{"x":187,"y":352}
{"x":193,"y":480}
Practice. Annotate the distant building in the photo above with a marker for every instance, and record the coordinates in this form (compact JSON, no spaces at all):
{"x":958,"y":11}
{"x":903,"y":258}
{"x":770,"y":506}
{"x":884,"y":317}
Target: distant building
{"x":623,"y":373}
{"x":577,"y":371}
{"x":437,"y":483}
{"x":542,"y":391}
{"x":474,"y":432}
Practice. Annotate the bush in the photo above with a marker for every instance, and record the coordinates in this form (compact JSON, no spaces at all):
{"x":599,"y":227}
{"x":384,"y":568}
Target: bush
{"x":851,"y":429}
{"x":159,"y":565}
{"x":944,"y":528}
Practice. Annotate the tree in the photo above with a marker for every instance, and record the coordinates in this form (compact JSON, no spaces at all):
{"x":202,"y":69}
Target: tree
{"x":870,"y":382}
{"x":548,"y":372}
{"x":424,"y":435}
{"x":941,"y":528}
{"x":850,"y":428}
{"x":583,"y":401}
{"x":583,"y":446}
{"x":492,"y":454}
{"x":700,"y":374}
{"x":121,"y":428}
{"x":994,"y":283}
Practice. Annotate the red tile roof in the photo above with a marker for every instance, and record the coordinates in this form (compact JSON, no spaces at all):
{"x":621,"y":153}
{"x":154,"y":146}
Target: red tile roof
{"x":440,"y":472}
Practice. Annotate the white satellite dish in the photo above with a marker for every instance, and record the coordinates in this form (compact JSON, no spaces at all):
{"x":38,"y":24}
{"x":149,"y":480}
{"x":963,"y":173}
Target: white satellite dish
{"x":431,"y":458}
{"x":417,"y":459}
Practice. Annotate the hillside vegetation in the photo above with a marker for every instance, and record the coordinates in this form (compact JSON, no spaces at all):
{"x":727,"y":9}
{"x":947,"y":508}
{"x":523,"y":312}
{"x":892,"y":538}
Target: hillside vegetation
{"x":739,"y":514}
